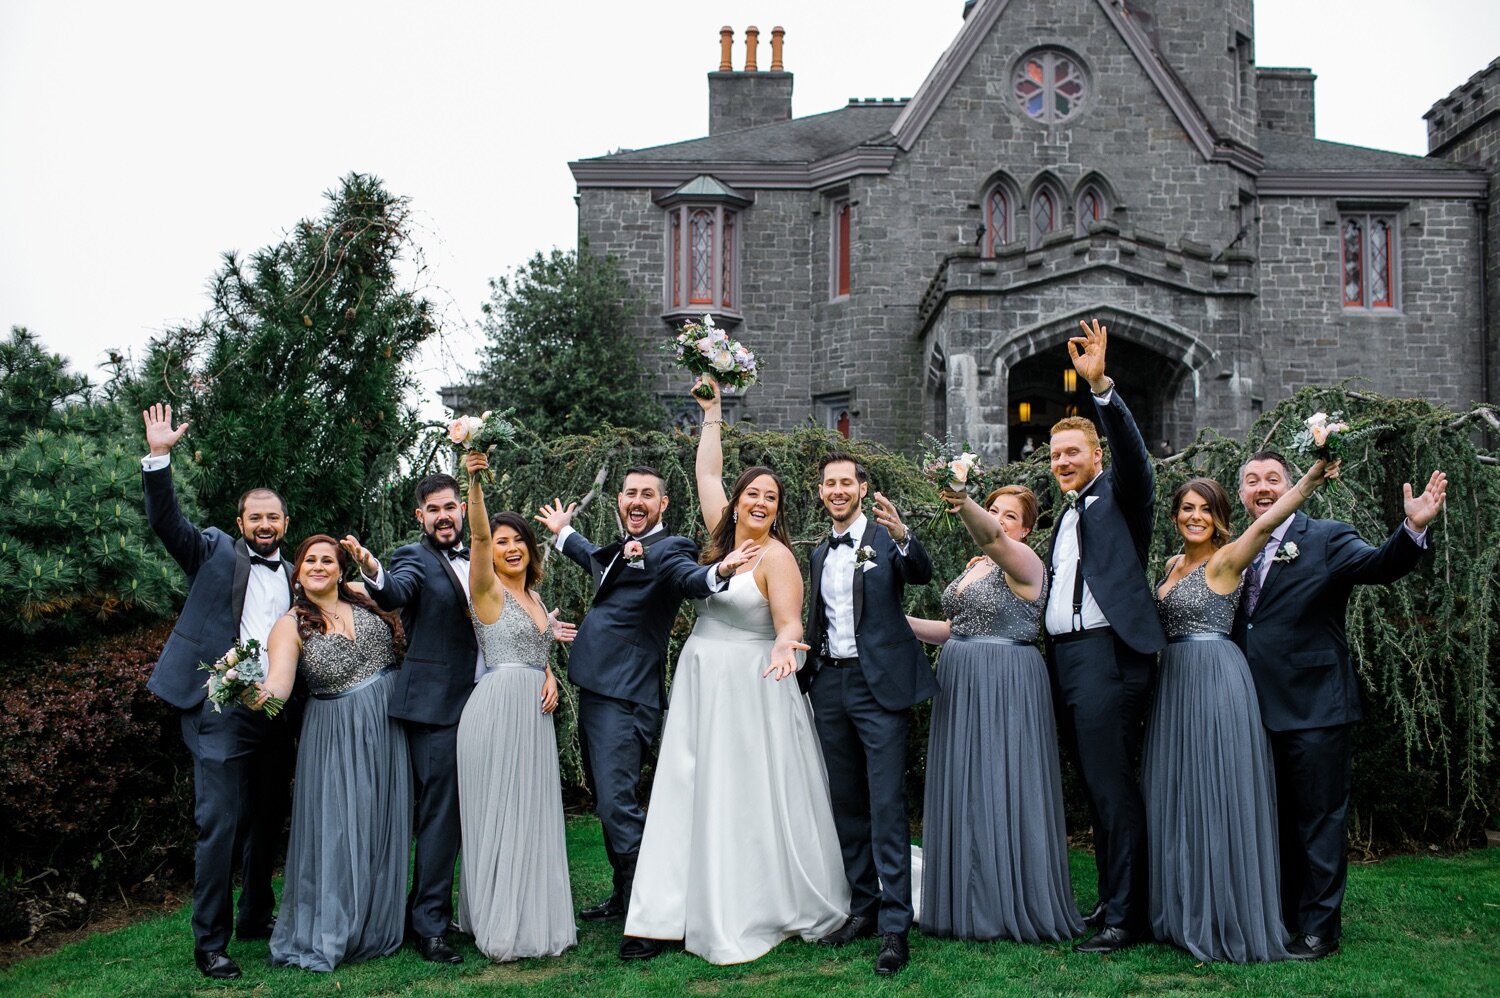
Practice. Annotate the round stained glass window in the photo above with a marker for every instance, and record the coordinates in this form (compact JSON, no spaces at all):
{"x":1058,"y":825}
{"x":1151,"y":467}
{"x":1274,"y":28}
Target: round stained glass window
{"x":1050,"y":86}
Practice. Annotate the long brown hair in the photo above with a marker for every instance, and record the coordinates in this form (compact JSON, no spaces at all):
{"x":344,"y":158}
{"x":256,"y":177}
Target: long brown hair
{"x":517,"y":522}
{"x":1218,"y":505}
{"x":721,"y":541}
{"x":310,"y":618}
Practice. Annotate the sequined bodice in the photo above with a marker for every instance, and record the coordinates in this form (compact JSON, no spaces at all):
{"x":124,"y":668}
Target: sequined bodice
{"x":331,"y":663}
{"x":988,"y":606}
{"x":513,"y":640}
{"x":1190,"y":607}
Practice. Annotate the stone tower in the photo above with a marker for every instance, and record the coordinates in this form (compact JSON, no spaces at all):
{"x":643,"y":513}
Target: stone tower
{"x":1210,"y":46}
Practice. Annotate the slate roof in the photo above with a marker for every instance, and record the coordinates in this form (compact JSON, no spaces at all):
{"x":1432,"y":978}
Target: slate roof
{"x":799,"y":140}
{"x":1285,"y":152}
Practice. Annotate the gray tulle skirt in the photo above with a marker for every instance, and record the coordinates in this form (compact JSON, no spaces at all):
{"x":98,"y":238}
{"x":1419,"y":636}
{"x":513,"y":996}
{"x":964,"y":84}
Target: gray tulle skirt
{"x":514,"y":896}
{"x":994,"y":846}
{"x":345,"y":888}
{"x":1210,"y":791}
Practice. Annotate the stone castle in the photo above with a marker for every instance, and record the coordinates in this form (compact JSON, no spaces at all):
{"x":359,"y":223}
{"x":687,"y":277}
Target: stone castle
{"x":915,"y":266}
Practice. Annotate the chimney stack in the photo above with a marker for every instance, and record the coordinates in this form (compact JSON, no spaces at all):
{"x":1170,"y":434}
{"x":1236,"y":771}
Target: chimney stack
{"x":748,"y":98}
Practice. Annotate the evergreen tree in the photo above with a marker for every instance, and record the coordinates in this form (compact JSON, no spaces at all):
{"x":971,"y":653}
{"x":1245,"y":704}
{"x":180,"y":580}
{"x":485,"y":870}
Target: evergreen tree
{"x":561,"y":353}
{"x":297,"y":378}
{"x":75,"y":549}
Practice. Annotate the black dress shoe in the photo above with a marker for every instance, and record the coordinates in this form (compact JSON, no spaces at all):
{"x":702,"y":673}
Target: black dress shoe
{"x":435,"y":949}
{"x":261,"y":930}
{"x":893,"y":954}
{"x":636,"y":948}
{"x":1312,"y":948}
{"x":854,"y":927}
{"x":216,"y":964}
{"x":1095,"y":918}
{"x":1110,"y":939}
{"x":605,"y":911}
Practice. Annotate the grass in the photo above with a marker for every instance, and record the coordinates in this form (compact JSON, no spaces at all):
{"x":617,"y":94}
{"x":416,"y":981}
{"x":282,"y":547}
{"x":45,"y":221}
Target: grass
{"x":1422,"y":925}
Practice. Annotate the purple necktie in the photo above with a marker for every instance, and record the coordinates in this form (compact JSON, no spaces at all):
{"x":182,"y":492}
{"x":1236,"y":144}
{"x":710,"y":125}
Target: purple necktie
{"x":1252,"y":583}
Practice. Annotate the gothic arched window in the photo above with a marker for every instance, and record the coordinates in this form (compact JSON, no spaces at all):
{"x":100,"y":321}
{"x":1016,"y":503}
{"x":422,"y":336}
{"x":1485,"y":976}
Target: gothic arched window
{"x":997,"y":220}
{"x":1090,"y":208}
{"x":1049,"y":85}
{"x":1044,"y":214}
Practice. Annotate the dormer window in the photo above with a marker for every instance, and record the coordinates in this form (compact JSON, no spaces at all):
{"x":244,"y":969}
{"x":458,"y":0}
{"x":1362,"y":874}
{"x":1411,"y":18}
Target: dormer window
{"x":702,"y":235}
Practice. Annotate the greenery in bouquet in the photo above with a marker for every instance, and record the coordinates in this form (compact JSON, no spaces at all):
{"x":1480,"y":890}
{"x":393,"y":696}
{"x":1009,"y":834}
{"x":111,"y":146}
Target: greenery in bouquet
{"x":1330,"y":437}
{"x":953,"y":469}
{"x":482,"y":433}
{"x":237,"y":672}
{"x":707,"y":351}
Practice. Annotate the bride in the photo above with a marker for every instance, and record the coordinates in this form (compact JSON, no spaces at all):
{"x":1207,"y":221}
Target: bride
{"x":740,"y":850}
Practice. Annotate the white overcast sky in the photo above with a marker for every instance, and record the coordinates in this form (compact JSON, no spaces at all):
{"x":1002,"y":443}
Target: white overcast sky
{"x":140,"y":140}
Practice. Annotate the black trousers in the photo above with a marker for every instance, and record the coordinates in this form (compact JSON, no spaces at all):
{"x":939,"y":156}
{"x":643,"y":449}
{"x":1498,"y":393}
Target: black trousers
{"x":864,"y":748}
{"x":434,"y":770}
{"x":615,"y":738}
{"x":1313,"y":772}
{"x":242,"y":769}
{"x":1102,"y":690}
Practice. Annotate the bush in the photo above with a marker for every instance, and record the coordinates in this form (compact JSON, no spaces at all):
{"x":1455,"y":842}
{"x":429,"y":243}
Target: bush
{"x":95,"y":788}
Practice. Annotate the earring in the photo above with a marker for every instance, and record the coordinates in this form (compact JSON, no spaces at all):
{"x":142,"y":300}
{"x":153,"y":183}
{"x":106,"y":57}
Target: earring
{"x":734,"y":517}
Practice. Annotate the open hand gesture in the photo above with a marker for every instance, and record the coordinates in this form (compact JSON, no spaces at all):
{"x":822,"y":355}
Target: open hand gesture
{"x":1087,"y":352}
{"x":562,"y":631}
{"x":887,"y":517}
{"x":362,"y":555}
{"x":738,"y":559}
{"x":1423,"y":509}
{"x":554,"y":516}
{"x":160,"y":437}
{"x":784,"y":659}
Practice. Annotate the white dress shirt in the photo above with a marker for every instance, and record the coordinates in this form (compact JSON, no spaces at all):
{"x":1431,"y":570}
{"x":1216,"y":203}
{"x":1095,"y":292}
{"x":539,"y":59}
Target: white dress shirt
{"x":715,"y":581}
{"x":460,"y":566}
{"x":1067,"y":562}
{"x":837,"y":589}
{"x":267,"y":597}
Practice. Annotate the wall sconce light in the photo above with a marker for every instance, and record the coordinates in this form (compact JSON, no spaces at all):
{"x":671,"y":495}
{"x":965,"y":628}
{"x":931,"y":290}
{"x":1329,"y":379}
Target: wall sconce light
{"x":1070,"y":381}
{"x":1072,"y":410}
{"x":1024,"y":411}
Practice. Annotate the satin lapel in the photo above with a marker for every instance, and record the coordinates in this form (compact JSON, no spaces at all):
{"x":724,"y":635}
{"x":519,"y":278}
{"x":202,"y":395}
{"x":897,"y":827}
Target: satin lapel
{"x":859,"y":572}
{"x":241,"y":581}
{"x":458,"y":587}
{"x":1294,"y":533}
{"x":815,"y":572}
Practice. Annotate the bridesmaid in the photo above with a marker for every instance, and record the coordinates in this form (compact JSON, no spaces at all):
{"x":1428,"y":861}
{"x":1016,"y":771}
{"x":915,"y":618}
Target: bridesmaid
{"x":343,"y":900}
{"x":995,"y":851}
{"x":1206,"y":775}
{"x":513,"y":897}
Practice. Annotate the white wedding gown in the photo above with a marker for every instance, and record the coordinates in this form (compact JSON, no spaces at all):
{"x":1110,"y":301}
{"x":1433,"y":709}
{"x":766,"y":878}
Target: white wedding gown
{"x":740,"y":850}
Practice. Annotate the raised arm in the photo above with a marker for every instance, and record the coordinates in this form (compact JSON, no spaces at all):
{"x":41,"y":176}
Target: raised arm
{"x":558,"y":519}
{"x":484,"y":586}
{"x":1131,"y":459}
{"x":1229,"y":562}
{"x":912,"y":562}
{"x":1014,"y":557}
{"x":183,"y":541}
{"x":783,"y":580}
{"x":709,"y":468}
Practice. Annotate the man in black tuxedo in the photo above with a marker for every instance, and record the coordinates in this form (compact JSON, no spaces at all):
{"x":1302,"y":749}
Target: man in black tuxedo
{"x":1103,"y":633}
{"x":867,"y":671}
{"x":618,"y":661}
{"x":238,"y":588}
{"x":1291,"y":625}
{"x":429,"y":583}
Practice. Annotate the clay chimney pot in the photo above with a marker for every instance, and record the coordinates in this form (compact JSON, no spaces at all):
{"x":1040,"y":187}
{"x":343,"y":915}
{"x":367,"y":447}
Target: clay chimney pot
{"x":778,"y":40}
{"x":726,"y":49}
{"x":752,"y":40}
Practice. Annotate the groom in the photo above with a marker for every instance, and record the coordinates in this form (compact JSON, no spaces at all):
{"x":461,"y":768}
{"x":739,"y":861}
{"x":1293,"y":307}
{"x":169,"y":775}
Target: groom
{"x":618,"y":661}
{"x":867,"y":672}
{"x":238,"y":588}
{"x":1291,"y":625}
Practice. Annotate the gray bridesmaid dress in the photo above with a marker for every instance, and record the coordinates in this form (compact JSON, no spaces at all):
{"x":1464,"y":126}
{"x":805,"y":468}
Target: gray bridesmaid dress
{"x":994,"y":846}
{"x":1210,"y":789}
{"x":344,"y":896}
{"x":514,"y":897}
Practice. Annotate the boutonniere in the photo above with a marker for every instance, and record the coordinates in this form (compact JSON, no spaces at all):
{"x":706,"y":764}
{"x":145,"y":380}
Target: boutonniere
{"x":1070,"y":499}
{"x":865,"y":557}
{"x":1287,"y":554}
{"x":634,"y":554}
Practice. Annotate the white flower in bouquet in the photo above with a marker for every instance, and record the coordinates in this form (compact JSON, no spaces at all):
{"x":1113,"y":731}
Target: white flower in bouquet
{"x":463,"y":430}
{"x":961,"y":466}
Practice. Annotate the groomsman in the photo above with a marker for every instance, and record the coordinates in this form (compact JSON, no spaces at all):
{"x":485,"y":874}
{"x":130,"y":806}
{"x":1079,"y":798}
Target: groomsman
{"x":429,"y":583}
{"x":618,"y":661}
{"x":867,"y":672}
{"x":1291,"y":625}
{"x":1103,"y":634}
{"x":238,"y":588}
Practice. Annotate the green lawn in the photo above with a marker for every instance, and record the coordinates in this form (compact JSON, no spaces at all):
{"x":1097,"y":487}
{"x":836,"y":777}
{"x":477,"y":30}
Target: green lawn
{"x":1414,"y":926}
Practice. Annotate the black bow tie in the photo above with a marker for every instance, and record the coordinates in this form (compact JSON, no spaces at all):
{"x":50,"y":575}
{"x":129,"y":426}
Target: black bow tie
{"x":841,"y":540}
{"x":260,"y":562}
{"x":456,"y":553}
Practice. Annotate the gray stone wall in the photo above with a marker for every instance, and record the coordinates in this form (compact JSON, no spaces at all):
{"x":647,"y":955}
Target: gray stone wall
{"x":1211,"y":47}
{"x":1425,"y":347}
{"x":743,"y":100}
{"x":1285,"y":98}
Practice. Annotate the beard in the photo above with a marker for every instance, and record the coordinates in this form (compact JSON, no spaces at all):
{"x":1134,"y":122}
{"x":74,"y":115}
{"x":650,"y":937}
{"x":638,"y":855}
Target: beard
{"x":458,"y":535}
{"x":264,"y":548}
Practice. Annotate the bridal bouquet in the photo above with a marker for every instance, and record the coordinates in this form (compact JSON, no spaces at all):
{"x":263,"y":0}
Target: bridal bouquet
{"x":950,"y":471}
{"x":480,"y":433}
{"x":707,"y":351}
{"x":235,"y":672}
{"x":1322,"y":436}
